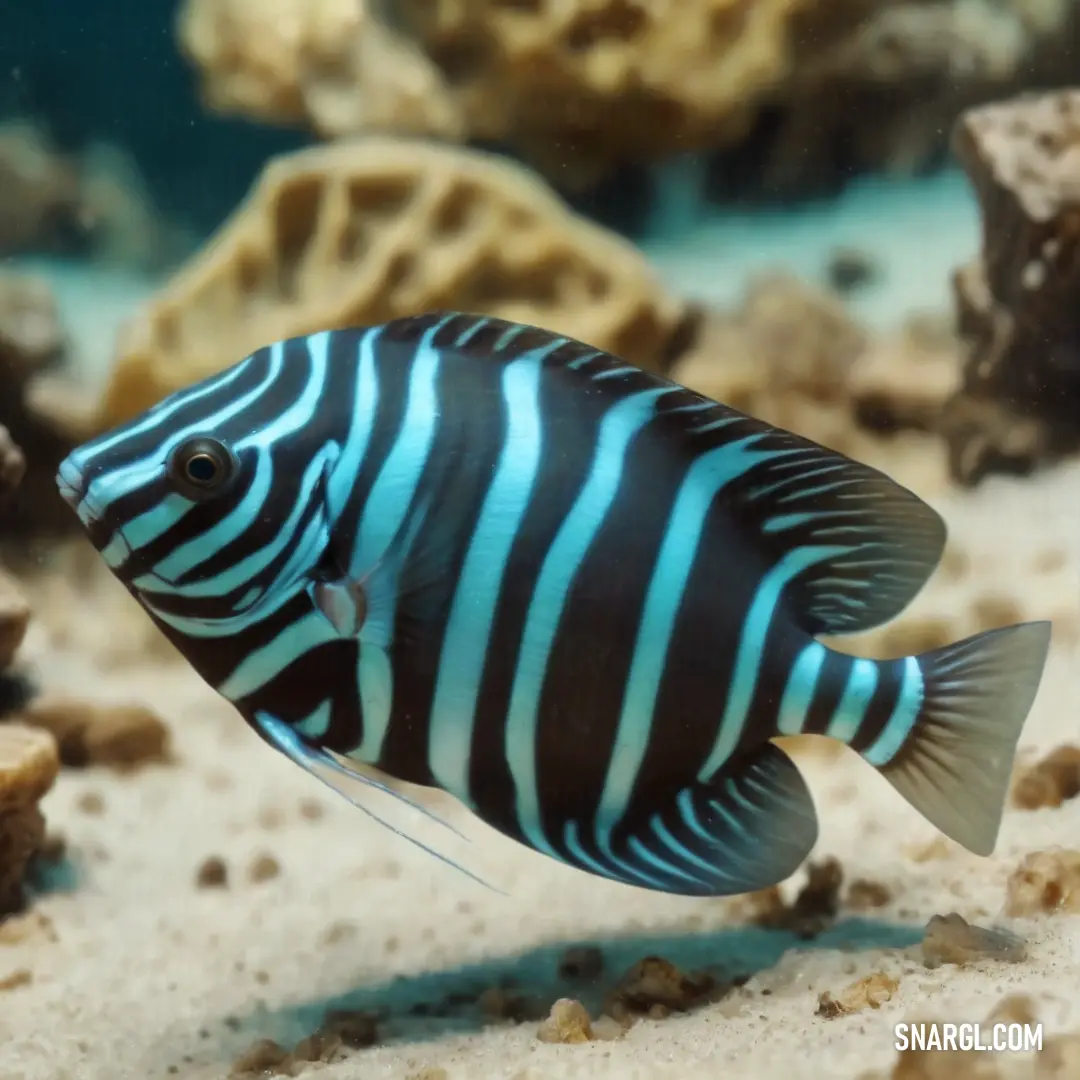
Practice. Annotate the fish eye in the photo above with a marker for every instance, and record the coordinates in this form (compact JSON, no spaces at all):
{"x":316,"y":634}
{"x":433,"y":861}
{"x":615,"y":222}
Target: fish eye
{"x":201,"y":467}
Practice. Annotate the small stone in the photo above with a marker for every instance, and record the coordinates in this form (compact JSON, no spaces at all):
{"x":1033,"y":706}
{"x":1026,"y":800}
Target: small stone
{"x":568,"y":1022}
{"x":869,"y":993}
{"x":1050,"y":782}
{"x":91,"y":803}
{"x":213,"y":873}
{"x":18,"y":977}
{"x":862,"y":895}
{"x":1045,"y":882}
{"x":122,"y":737}
{"x":262,"y":1059}
{"x":951,"y":939}
{"x":264,"y":868}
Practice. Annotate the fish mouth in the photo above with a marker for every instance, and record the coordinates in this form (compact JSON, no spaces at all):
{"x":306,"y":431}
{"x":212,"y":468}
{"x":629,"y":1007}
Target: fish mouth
{"x":70,"y":483}
{"x":72,"y":486}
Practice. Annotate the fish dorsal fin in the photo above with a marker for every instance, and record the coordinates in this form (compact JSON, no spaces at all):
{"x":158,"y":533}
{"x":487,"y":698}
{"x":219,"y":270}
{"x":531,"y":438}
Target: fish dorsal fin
{"x":883,"y":541}
{"x":750,"y":827}
{"x":489,"y":337}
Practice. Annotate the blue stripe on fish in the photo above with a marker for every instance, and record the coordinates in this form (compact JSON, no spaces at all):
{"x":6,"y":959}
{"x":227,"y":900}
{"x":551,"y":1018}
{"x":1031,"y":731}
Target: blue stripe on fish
{"x":465,"y":645}
{"x":400,"y":476}
{"x":851,"y":712}
{"x":898,"y":727}
{"x":617,"y":429}
{"x":758,"y":619}
{"x":800,"y":689}
{"x":365,"y":404}
{"x":706,"y":479}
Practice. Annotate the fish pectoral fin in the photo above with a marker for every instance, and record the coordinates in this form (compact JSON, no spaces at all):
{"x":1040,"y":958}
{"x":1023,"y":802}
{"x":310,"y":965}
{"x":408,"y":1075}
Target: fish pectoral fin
{"x":342,"y":603}
{"x":391,"y":600}
{"x":749,"y":827}
{"x":285,"y":738}
{"x":879,"y":541}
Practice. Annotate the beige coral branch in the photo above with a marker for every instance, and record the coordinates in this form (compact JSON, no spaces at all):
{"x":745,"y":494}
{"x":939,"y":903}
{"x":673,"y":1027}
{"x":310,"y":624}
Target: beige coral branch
{"x":323,"y":62}
{"x":578,"y":85}
{"x":359,"y":232}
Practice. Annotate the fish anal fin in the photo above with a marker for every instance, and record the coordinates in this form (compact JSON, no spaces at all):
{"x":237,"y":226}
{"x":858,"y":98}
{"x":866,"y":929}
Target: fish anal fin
{"x":885,"y":541}
{"x":751,"y":826}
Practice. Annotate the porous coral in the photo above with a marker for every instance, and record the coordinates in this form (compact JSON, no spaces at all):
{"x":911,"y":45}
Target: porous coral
{"x":324,"y":62}
{"x":12,"y":467}
{"x":1019,"y":302}
{"x":359,"y":232}
{"x":32,"y":339}
{"x":790,"y":93}
{"x":578,"y":86}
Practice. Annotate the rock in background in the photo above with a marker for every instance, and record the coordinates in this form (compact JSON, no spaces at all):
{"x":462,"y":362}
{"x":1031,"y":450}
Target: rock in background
{"x":397,"y":209}
{"x":786,"y":96}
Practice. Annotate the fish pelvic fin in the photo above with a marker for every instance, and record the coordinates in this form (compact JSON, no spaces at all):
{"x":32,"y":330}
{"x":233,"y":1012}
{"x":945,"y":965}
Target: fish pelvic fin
{"x":954,"y":761}
{"x":314,"y":760}
{"x":749,"y":827}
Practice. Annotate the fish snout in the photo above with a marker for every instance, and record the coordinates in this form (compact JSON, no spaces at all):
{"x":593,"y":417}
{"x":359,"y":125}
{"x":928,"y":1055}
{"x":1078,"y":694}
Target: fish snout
{"x":71,"y":484}
{"x":73,"y":488}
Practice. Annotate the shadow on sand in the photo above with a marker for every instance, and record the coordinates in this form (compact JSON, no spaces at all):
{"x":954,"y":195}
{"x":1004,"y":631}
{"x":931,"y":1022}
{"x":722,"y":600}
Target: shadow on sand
{"x":420,"y":1007}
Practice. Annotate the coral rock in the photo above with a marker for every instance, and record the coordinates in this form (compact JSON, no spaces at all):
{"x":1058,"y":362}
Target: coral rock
{"x":904,"y":380}
{"x":878,"y":84}
{"x":578,"y":86}
{"x":1019,"y":304}
{"x":325,"y":62}
{"x":12,"y":466}
{"x":28,"y":766}
{"x":32,"y":340}
{"x":94,"y":203}
{"x":122,"y":737}
{"x":656,"y":987}
{"x":14,"y":619}
{"x":786,"y":338}
{"x":38,"y":190}
{"x":359,"y":232}
{"x":1046,"y":881}
{"x":30,"y":330}
{"x":583,"y":86}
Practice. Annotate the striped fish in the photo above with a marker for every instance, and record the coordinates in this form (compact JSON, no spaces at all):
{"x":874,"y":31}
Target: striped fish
{"x":580,"y":598}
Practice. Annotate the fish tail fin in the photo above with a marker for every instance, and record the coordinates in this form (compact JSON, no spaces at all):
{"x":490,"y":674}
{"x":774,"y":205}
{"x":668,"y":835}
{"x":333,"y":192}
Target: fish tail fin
{"x":955,"y":760}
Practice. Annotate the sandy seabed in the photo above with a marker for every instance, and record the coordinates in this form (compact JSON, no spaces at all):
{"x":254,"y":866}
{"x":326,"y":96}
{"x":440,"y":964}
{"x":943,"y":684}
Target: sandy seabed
{"x":145,"y":975}
{"x":147,"y":971}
